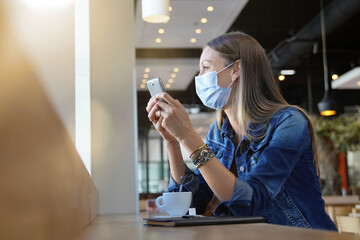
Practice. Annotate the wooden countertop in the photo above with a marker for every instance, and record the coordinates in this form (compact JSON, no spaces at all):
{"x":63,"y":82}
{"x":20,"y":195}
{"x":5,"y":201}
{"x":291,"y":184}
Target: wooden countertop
{"x":130,"y":227}
{"x":340,"y":200}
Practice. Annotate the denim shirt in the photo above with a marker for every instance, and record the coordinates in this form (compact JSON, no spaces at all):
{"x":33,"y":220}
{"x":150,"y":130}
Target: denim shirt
{"x":277,"y":177}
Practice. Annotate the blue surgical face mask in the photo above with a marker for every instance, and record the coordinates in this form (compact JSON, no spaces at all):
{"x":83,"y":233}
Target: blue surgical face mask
{"x":209,"y":92}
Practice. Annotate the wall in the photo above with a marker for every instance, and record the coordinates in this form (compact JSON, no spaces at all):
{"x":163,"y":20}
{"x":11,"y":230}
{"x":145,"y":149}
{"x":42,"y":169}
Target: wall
{"x":46,"y":191}
{"x":46,"y":33}
{"x":113,"y":120}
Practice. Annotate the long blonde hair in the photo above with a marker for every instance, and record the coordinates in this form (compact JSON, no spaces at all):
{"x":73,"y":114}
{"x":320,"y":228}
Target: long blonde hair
{"x":256,"y":96}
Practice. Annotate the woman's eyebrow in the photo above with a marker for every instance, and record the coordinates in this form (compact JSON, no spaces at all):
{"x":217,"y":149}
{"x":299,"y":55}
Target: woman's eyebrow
{"x":205,"y":61}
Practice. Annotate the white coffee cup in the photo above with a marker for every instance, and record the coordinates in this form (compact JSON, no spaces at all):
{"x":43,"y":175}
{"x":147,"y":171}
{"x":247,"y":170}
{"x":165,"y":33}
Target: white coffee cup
{"x":175,"y":203}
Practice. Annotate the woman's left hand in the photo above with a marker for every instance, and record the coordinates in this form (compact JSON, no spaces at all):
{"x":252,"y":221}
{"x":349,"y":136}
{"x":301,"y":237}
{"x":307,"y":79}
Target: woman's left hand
{"x":174,"y":117}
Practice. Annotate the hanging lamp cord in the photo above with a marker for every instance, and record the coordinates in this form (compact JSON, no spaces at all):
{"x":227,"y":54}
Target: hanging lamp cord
{"x":323,"y":38}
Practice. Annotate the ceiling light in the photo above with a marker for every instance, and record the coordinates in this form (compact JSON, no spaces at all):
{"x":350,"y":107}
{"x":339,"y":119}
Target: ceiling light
{"x":146,"y":75}
{"x":358,"y":83}
{"x":173,"y":75}
{"x":203,"y":20}
{"x":327,"y":113}
{"x":170,"y":80}
{"x":142,"y":85}
{"x":326,"y":106}
{"x":334,"y":76}
{"x":147,"y":70}
{"x":198,"y":31}
{"x":155,"y":11}
{"x":176,"y":69}
{"x":210,"y":8}
{"x":170,"y":8}
{"x":287,"y":72}
{"x":281,"y":78}
{"x":158,"y":40}
{"x":144,"y":80}
{"x":193,"y":40}
{"x":168,"y":85}
{"x":161,"y":31}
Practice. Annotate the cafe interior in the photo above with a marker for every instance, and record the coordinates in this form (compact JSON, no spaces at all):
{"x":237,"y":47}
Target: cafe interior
{"x":79,"y":157}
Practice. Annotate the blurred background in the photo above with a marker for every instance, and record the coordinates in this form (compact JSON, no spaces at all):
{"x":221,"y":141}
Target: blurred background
{"x":290,"y":33}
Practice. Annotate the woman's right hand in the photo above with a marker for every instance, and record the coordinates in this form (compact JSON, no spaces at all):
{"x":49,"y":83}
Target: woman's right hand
{"x":152,"y":109}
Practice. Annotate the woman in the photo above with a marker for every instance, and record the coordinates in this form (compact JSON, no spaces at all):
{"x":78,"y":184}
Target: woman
{"x":260,"y":156}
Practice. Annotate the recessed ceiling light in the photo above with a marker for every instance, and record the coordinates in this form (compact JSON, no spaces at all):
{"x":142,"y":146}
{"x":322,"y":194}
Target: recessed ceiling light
{"x":287,"y":72}
{"x":142,"y":85}
{"x":161,"y":31}
{"x":173,"y":75}
{"x":210,"y":8}
{"x":168,"y":85}
{"x":144,"y":80}
{"x":170,"y":8}
{"x":334,"y":76}
{"x":193,"y":40}
{"x":158,"y":40}
{"x":281,"y":78}
{"x":170,"y":80}
{"x":146,"y":75}
{"x":198,"y":31}
{"x":176,"y":69}
{"x":203,"y":20}
{"x":147,"y":70}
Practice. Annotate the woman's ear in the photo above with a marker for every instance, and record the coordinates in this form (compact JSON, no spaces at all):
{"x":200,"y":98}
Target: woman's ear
{"x":236,"y":71}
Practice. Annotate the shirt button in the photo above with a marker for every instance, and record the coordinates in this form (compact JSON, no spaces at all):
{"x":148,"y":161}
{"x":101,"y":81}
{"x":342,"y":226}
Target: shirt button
{"x":242,"y":168}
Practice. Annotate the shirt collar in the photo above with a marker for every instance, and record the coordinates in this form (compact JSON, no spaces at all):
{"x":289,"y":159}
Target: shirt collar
{"x":226,"y":129}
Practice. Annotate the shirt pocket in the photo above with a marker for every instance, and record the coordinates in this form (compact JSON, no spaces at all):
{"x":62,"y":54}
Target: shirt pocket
{"x":257,"y":149}
{"x":253,"y":160}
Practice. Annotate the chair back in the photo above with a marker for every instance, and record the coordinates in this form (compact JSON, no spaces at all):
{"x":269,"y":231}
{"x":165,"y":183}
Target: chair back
{"x":348,"y":224}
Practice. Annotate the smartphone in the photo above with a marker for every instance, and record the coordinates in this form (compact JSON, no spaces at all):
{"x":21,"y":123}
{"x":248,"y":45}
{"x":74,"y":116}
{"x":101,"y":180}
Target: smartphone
{"x":156,"y":86}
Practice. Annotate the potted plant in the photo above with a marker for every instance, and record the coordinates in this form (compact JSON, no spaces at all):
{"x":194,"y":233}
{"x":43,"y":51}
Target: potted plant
{"x":336,"y":135}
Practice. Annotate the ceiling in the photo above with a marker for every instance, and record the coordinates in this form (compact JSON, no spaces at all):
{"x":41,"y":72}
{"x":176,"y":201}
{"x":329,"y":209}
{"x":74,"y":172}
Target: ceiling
{"x":183,"y":30}
{"x":272,"y":23}
{"x":185,"y":18}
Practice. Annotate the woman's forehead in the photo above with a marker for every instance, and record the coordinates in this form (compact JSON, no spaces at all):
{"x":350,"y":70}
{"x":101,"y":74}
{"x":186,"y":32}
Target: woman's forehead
{"x":211,"y":55}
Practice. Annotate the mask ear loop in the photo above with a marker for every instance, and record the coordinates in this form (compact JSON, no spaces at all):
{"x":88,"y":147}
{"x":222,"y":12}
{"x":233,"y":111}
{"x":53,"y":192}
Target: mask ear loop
{"x":225,"y":68}
{"x":232,"y":79}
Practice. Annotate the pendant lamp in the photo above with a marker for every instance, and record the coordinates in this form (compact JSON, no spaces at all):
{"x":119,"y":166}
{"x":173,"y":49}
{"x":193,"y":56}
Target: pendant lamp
{"x":326,"y":105}
{"x":155,"y":11}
